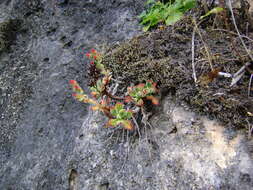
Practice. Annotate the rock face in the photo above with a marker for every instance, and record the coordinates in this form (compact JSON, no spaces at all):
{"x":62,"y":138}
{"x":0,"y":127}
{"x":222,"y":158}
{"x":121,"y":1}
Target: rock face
{"x":49,"y":141}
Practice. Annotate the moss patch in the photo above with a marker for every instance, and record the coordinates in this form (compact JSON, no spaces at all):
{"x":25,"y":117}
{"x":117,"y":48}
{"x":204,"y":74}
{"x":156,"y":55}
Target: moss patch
{"x":165,"y":57}
{"x":8,"y":31}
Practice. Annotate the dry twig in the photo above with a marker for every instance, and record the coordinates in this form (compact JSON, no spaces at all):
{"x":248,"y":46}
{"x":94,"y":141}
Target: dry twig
{"x":193,"y":55}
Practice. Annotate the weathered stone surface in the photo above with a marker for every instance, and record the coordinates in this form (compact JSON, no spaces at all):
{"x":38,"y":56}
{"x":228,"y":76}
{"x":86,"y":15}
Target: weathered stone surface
{"x":49,"y":141}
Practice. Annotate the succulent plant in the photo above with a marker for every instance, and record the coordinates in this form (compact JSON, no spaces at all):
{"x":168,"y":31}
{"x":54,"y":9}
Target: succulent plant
{"x":137,"y":94}
{"x":121,"y":117}
{"x":102,"y":99}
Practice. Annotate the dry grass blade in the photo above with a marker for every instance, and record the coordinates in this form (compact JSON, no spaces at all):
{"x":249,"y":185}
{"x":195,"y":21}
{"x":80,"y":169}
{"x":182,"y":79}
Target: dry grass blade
{"x":238,"y":75}
{"x":193,"y":55}
{"x":205,"y":45}
{"x":250,"y":81}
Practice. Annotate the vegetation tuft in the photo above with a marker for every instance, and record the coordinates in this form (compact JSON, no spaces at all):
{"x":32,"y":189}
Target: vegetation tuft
{"x":167,"y":13}
{"x":105,"y":101}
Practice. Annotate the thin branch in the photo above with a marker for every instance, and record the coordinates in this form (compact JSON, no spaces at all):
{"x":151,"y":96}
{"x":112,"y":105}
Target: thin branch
{"x":250,"y":129}
{"x":250,"y":81}
{"x":137,"y":126}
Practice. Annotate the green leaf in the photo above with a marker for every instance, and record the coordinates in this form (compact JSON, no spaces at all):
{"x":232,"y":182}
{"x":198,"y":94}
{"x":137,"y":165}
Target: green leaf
{"x":188,"y":4}
{"x":114,"y":112}
{"x":172,"y":19}
{"x":93,"y":89}
{"x":145,"y":28}
{"x":142,"y":15}
{"x":168,"y":13}
{"x":119,"y":106}
{"x":128,"y":115}
{"x":99,"y":84}
{"x":127,"y":124}
{"x":113,"y":122}
{"x":213,"y":11}
{"x":150,"y":2}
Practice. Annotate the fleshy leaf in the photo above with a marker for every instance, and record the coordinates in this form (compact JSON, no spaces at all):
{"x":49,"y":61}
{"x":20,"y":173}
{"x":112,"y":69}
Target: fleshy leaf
{"x":153,"y":99}
{"x":112,"y":122}
{"x":127,"y":125}
{"x":173,"y":18}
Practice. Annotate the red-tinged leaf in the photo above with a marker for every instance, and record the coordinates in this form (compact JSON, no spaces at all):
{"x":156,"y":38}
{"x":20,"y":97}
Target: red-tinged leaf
{"x":119,"y":106}
{"x":103,"y":102}
{"x":95,"y":108}
{"x":77,"y":87}
{"x":93,"y":51}
{"x":127,"y":125}
{"x":111,"y":123}
{"x":79,"y":97}
{"x":154,"y":100}
{"x":141,"y":85}
{"x":106,"y":80}
{"x":94,"y":94}
{"x":72,"y":82}
{"x":128,"y":99}
{"x":145,"y":92}
{"x":140,"y":103}
{"x":154,"y":86}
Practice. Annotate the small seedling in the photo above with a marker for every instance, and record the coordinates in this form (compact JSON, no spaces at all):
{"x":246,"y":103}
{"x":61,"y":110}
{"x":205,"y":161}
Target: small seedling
{"x":215,"y":10}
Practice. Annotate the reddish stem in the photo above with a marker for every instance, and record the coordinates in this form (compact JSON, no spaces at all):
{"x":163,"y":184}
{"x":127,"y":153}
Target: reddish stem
{"x":107,"y":112}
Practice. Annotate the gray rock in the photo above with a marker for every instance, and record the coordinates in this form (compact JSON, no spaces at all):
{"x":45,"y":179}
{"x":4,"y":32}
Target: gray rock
{"x":50,"y":141}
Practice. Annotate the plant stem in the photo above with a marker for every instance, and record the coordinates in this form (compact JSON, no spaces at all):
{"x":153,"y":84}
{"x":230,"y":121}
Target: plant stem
{"x":105,"y":92}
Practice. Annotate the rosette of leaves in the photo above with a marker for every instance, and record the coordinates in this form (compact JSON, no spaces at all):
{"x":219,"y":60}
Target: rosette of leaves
{"x":137,"y":94}
{"x":168,"y":13}
{"x":96,"y":59}
{"x":121,"y":117}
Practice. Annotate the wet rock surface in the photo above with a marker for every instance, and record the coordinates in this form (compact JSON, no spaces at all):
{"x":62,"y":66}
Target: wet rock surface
{"x":50,"y":141}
